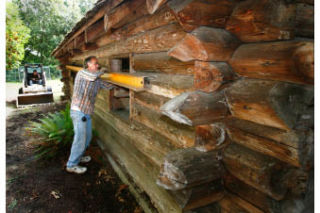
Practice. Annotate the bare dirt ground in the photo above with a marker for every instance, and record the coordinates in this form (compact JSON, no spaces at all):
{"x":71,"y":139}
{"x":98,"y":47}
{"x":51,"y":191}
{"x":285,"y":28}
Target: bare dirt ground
{"x":44,"y":186}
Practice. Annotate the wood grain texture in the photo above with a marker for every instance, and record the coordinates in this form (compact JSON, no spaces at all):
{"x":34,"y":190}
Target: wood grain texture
{"x":262,"y":20}
{"x":271,"y":103}
{"x":212,"y":13}
{"x":182,"y":169}
{"x":205,"y":44}
{"x":290,"y":61}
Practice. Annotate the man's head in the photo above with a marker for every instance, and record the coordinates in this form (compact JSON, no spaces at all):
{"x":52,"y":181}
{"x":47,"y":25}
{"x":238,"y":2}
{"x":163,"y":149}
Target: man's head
{"x":35,"y":72}
{"x":91,"y":64}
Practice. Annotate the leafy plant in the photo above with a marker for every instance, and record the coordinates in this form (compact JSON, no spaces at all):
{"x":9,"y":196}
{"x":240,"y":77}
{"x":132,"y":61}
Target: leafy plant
{"x":53,"y":133}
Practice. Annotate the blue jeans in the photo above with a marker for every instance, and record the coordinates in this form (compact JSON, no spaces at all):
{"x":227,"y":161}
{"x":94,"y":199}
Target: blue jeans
{"x":82,"y":136}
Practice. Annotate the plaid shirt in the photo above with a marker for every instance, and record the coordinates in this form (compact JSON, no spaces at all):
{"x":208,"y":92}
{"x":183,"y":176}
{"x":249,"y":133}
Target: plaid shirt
{"x":85,"y":90}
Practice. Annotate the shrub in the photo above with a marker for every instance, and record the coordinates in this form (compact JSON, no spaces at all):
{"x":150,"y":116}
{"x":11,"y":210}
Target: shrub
{"x":53,"y":133}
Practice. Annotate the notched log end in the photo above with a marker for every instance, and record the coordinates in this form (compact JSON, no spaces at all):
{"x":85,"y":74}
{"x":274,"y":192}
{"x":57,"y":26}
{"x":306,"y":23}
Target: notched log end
{"x":171,"y":109}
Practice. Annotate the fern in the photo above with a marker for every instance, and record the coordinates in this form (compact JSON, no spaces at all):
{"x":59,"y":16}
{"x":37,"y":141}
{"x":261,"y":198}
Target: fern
{"x":52,"y":133}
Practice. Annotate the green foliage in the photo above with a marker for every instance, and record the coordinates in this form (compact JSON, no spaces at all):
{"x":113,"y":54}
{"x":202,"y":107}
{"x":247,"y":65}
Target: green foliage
{"x":17,"y":35}
{"x":53,"y":133}
{"x":49,"y":21}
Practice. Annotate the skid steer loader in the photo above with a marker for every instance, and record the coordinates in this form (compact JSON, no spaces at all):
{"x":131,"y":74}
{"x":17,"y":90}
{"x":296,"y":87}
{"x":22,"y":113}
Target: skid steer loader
{"x":34,"y":90}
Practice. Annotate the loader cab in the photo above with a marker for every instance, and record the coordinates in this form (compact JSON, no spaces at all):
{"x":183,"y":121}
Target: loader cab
{"x":30,"y":72}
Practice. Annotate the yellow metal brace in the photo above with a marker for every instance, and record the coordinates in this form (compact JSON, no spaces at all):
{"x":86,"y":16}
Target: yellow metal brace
{"x":129,"y":81}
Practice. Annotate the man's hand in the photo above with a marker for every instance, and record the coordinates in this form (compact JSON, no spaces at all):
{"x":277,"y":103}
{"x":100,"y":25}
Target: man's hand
{"x":103,"y":69}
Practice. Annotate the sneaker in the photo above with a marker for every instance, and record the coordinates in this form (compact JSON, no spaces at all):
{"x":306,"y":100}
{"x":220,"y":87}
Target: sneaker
{"x":77,"y":169}
{"x":85,"y":159}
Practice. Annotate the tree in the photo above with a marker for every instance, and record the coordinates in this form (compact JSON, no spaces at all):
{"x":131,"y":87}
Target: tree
{"x":17,"y":35}
{"x":49,"y":21}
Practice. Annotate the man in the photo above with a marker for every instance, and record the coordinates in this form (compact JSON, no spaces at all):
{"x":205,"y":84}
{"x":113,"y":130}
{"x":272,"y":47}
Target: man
{"x":35,"y":78}
{"x":86,"y":87}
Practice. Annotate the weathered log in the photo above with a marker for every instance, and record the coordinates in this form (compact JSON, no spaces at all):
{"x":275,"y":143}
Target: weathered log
{"x":233,"y":204}
{"x":289,"y":138}
{"x":94,"y":31}
{"x":178,"y":134}
{"x":196,"y":108}
{"x":199,"y":196}
{"x":157,"y":40}
{"x":209,"y":76}
{"x":185,"y":168}
{"x":210,"y":137}
{"x":205,"y":44}
{"x":288,"y":154}
{"x":304,"y":20}
{"x":152,"y":144}
{"x":262,"y":172}
{"x":294,"y":202}
{"x":141,"y":170}
{"x":124,"y":13}
{"x":262,"y":20}
{"x":150,"y":100}
{"x":168,"y":85}
{"x":161,"y":18}
{"x":153,"y":5}
{"x":270,"y":103}
{"x":161,"y":62}
{"x":213,"y":13}
{"x":89,"y":46}
{"x":250,"y":194}
{"x":293,"y":147}
{"x":290,"y":61}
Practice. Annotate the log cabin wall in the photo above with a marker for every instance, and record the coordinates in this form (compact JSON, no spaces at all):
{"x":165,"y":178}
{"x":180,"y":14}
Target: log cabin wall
{"x":226,"y":121}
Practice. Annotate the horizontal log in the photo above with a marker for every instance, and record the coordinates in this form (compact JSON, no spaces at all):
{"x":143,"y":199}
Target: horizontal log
{"x":257,"y":170}
{"x":304,"y":23}
{"x":151,"y":144}
{"x":157,"y":40}
{"x":270,"y":103}
{"x":178,"y":134}
{"x":167,"y":85}
{"x":153,"y":5}
{"x":150,"y":100}
{"x":212,"y":13}
{"x":185,"y":168}
{"x":124,"y":13}
{"x":233,"y":204}
{"x":289,"y":138}
{"x":160,"y":18}
{"x":196,"y":108}
{"x":290,"y":61}
{"x":288,"y":154}
{"x":209,"y":76}
{"x":266,"y":20}
{"x":199,"y":196}
{"x":205,"y":44}
{"x":162,"y":63}
{"x":94,"y":31}
{"x":145,"y":203}
{"x":210,"y":137}
{"x":250,"y":194}
{"x":142,"y":172}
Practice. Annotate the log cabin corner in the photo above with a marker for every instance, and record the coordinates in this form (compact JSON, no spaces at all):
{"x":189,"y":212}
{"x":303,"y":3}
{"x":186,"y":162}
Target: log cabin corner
{"x":223,"y":121}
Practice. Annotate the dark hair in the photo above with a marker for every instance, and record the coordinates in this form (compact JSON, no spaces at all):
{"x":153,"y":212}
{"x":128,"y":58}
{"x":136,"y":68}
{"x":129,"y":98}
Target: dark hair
{"x":87,"y":60}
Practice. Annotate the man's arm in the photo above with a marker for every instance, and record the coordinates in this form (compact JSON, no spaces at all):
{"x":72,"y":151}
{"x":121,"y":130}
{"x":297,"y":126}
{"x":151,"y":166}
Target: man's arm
{"x":106,"y":85}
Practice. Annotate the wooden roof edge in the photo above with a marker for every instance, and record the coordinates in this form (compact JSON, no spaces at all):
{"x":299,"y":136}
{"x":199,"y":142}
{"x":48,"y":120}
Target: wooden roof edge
{"x":97,"y":12}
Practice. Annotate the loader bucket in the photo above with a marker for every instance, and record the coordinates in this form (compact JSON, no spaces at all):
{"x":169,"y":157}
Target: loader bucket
{"x":34,"y":99}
